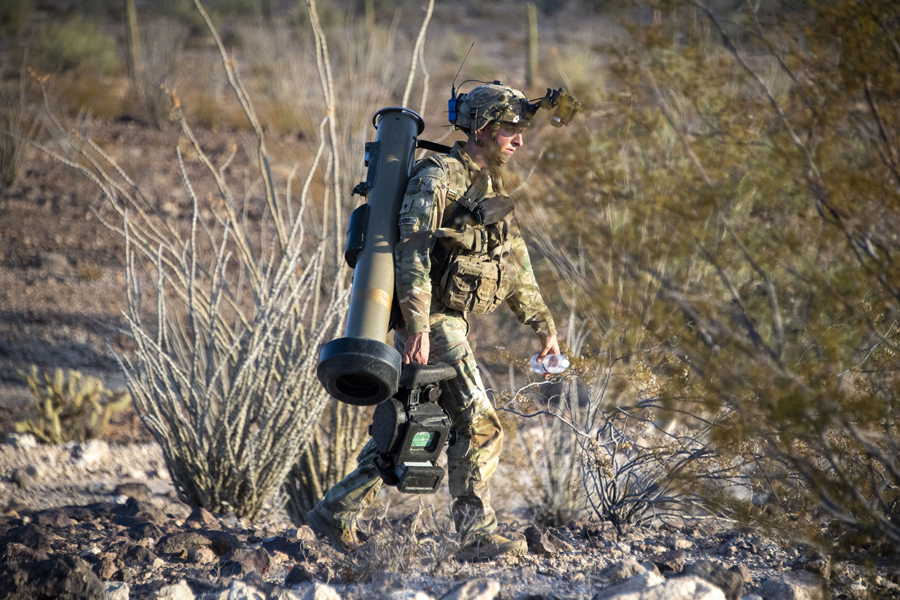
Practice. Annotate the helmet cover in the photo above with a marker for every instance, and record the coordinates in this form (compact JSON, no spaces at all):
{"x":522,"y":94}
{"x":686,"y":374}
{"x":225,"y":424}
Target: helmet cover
{"x":490,"y":102}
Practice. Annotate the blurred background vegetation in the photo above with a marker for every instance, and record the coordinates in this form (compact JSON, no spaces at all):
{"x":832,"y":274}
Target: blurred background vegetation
{"x":716,"y":232}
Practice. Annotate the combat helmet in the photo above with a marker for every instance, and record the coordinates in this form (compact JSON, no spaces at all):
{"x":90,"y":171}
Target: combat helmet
{"x":492,"y":102}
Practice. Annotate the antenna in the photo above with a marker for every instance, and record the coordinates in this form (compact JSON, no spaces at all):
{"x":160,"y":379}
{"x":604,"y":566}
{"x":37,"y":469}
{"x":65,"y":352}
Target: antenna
{"x":453,"y":87}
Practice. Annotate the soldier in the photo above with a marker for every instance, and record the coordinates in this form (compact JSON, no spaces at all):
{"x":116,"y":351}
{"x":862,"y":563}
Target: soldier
{"x":460,"y":251}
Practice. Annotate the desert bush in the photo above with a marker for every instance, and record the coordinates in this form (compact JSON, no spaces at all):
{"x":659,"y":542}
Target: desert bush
{"x":410,"y":544}
{"x":162,"y":46}
{"x":18,"y":126}
{"x":224,"y":370}
{"x":75,"y":44}
{"x":726,"y":205}
{"x":70,"y":407}
{"x":552,"y":457}
{"x":616,"y":453}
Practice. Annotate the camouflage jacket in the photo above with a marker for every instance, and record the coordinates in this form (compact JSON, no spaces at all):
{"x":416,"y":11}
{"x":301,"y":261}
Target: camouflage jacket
{"x":429,"y":195}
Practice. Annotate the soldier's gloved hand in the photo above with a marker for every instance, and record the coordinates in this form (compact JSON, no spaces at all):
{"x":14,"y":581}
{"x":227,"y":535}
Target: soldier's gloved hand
{"x":417,"y":348}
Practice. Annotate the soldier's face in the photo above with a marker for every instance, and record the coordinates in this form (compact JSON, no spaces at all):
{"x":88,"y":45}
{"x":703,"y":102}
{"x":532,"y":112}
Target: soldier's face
{"x":509,"y":138}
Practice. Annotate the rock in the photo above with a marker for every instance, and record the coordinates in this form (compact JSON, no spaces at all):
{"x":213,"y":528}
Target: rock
{"x":299,"y":573}
{"x":650,"y":567}
{"x":243,"y":561}
{"x":731,"y":583}
{"x":817,"y":563}
{"x":673,"y":560}
{"x":105,"y":568}
{"x":22,"y":441}
{"x":30,"y":536}
{"x":240,"y":590}
{"x":620,"y":570}
{"x":124,"y":574}
{"x":794,"y":585}
{"x":410,"y":595}
{"x":62,"y":577}
{"x":138,"y":555}
{"x":744,"y":572}
{"x":89,"y":453}
{"x":201,"y":556}
{"x":22,"y":479}
{"x":475,"y":589}
{"x":116,"y":591}
{"x":299,"y":550}
{"x":679,"y":588}
{"x":179,"y":544}
{"x":676,"y":542}
{"x":630,"y":585}
{"x":54,"y":518}
{"x":14,"y":508}
{"x":305,"y":533}
{"x":203,"y":517}
{"x":178,"y":591}
{"x":90,"y":555}
{"x":138,"y":491}
{"x":321,"y":591}
{"x":539,"y":542}
{"x":12,"y":553}
{"x":560,"y":544}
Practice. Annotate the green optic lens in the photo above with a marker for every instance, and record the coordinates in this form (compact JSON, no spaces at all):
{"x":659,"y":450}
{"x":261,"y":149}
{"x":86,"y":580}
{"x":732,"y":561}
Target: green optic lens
{"x":422,"y":439}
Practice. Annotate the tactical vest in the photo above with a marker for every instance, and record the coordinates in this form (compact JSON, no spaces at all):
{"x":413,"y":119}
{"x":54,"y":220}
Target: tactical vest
{"x":470,"y":270}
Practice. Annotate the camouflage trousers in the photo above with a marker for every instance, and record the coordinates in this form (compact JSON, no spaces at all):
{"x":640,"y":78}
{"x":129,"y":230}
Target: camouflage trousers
{"x":471,"y":460}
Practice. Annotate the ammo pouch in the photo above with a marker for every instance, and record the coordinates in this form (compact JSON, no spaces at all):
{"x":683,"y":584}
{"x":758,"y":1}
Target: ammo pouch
{"x":475,"y":284}
{"x":472,"y":282}
{"x":493,"y":210}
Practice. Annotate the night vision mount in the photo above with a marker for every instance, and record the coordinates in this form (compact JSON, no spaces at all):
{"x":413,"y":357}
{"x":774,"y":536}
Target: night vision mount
{"x":565,"y":106}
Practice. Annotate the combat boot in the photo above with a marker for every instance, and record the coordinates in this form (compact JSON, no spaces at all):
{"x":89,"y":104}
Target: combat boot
{"x":494,"y":545}
{"x":344,"y":540}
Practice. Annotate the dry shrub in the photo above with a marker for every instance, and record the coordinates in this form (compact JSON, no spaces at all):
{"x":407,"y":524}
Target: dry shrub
{"x":224,"y":370}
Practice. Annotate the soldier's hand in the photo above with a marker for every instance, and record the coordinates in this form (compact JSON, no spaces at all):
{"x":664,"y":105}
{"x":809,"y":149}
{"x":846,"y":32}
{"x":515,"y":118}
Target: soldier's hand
{"x":416,"y":349}
{"x":549,"y":345}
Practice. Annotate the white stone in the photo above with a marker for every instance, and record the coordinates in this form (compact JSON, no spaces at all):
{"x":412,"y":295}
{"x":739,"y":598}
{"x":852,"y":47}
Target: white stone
{"x":178,"y":591}
{"x":90,"y":453}
{"x":238,"y":590}
{"x":116,"y":590}
{"x":410,"y":595}
{"x":476,"y":589}
{"x":25,"y":441}
{"x":632,"y":584}
{"x":678,"y":588}
{"x":751,"y":597}
{"x":321,"y":591}
{"x":283,"y":594}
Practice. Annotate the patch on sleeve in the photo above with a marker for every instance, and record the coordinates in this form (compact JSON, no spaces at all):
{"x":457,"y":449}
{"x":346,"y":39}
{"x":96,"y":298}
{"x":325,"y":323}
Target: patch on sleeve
{"x":409,"y":221}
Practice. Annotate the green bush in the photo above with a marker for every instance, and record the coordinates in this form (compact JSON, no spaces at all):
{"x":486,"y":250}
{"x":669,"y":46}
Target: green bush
{"x":14,"y":15}
{"x":736,"y":207}
{"x":75,"y":44}
{"x":71,"y":407}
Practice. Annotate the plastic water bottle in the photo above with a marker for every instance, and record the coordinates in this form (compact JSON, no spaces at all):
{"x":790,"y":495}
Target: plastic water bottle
{"x":553,"y":364}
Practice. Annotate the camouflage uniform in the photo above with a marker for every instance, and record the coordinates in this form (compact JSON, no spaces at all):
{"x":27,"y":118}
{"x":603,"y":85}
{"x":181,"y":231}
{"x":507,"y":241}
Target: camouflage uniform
{"x":474,"y":457}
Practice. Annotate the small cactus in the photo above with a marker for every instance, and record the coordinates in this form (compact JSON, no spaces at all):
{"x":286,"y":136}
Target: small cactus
{"x":71,"y":406}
